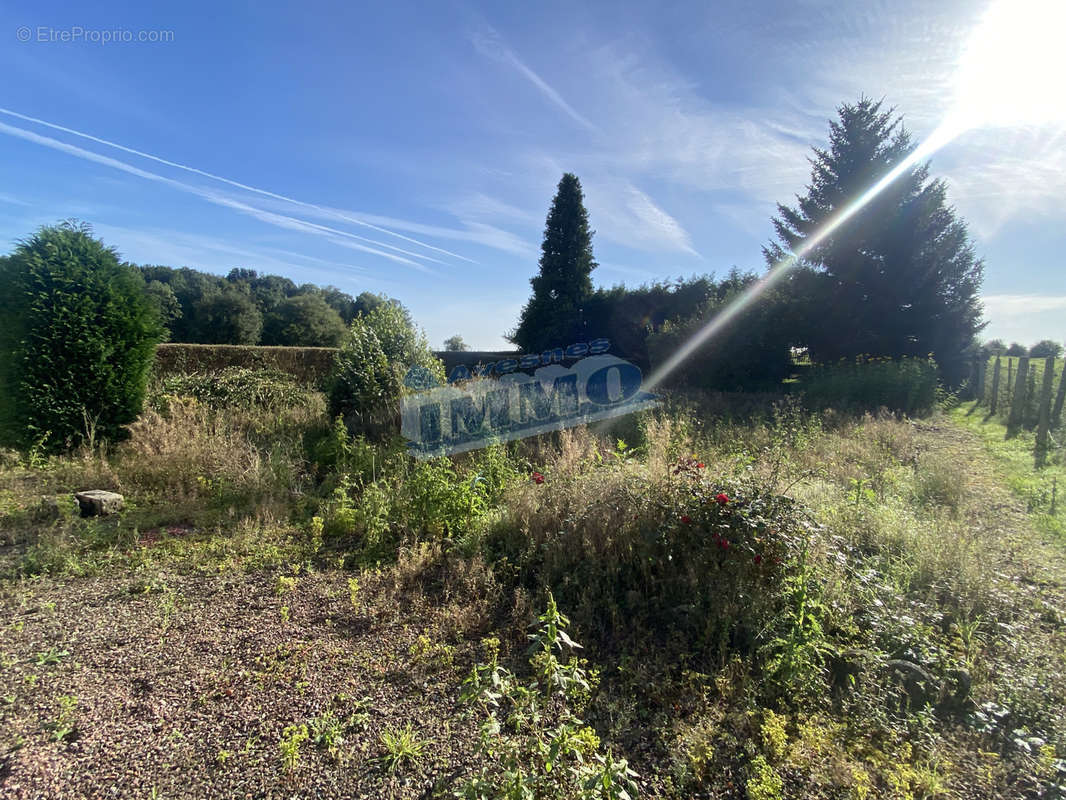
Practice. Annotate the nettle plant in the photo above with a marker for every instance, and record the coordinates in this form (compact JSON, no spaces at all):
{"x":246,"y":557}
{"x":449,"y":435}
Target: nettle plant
{"x":536,"y":744}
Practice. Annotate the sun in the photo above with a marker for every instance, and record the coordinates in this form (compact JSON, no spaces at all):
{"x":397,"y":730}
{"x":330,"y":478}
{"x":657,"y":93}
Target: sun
{"x":1013,"y":70}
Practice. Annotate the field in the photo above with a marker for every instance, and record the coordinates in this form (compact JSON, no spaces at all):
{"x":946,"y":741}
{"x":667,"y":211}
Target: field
{"x":772,"y":603}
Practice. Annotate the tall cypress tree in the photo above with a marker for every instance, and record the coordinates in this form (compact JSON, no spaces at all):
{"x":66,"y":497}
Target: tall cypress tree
{"x":898,"y":278}
{"x":554,"y":315}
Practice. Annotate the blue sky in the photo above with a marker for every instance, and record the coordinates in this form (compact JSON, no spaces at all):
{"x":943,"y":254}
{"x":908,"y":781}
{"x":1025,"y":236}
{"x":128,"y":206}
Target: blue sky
{"x":423,"y":141}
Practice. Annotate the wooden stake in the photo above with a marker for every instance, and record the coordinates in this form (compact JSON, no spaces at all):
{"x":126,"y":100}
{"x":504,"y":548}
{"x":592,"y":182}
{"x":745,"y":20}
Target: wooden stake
{"x":1017,"y":405}
{"x":1043,"y":425}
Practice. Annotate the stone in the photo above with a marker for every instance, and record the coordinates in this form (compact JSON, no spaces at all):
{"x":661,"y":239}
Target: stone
{"x":98,"y":503}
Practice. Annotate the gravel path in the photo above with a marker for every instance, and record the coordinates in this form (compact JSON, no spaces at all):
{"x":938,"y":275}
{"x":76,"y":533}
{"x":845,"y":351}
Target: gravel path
{"x":185,"y":690}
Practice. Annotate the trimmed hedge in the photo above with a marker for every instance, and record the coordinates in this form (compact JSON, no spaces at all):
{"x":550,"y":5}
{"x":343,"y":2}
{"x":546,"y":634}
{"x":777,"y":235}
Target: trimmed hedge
{"x":307,"y":364}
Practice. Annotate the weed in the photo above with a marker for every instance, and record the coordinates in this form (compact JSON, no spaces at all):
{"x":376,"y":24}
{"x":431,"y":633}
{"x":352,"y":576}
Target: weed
{"x":291,"y":739}
{"x":52,"y":655}
{"x":431,"y":654}
{"x":401,"y":747}
{"x":327,"y":732}
{"x":285,"y":584}
{"x":65,"y":724}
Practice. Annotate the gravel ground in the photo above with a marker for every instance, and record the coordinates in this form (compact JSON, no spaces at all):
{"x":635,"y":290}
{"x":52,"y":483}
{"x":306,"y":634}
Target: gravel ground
{"x":184,"y":689}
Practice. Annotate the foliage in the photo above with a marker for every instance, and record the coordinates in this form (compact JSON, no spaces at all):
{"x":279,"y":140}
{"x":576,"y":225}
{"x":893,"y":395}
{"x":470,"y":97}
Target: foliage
{"x":674,"y":554}
{"x":900,"y":277}
{"x":308,"y":365}
{"x":292,"y":738}
{"x":627,"y":316}
{"x":227,"y":317}
{"x":534,"y":741}
{"x":904,"y":385}
{"x":238,"y":387}
{"x":1045,"y":348}
{"x":364,"y":389}
{"x":402,"y":342}
{"x":77,"y":333}
{"x":1016,"y":350}
{"x":401,"y":747}
{"x":304,"y":320}
{"x":753,"y":351}
{"x":455,"y":344}
{"x":367,"y":379}
{"x":554,"y":315}
{"x":994,"y":347}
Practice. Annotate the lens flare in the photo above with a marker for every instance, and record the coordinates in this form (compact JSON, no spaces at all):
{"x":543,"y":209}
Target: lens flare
{"x":1010,"y":74}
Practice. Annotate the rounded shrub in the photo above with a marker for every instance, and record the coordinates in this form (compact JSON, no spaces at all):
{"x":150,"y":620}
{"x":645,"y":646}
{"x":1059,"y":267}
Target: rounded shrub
{"x":77,"y":337}
{"x":368,"y":375}
{"x":364,"y":390}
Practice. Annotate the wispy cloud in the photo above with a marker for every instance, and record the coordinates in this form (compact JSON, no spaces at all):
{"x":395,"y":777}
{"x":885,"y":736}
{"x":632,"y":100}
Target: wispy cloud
{"x":181,"y":248}
{"x":472,"y":231}
{"x":491,"y":45}
{"x":221,"y":179}
{"x":628,"y":216}
{"x":340,"y":237}
{"x":11,"y":200}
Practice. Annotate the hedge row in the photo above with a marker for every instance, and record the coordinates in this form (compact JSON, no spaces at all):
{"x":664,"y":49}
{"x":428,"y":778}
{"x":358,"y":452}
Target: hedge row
{"x":307,"y":364}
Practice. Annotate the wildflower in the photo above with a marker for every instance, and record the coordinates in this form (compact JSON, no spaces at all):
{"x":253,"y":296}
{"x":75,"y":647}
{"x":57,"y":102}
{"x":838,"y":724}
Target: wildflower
{"x":722,"y":498}
{"x":538,"y":478}
{"x":757,"y":559}
{"x":723,"y":543}
{"x":686,"y":518}
{"x":699,"y":465}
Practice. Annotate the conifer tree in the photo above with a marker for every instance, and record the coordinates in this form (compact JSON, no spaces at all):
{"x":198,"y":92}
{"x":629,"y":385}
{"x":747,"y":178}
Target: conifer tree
{"x":900,"y":277}
{"x":555,"y":314}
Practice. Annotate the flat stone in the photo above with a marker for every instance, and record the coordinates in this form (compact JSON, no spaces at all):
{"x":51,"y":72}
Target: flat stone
{"x":98,"y":503}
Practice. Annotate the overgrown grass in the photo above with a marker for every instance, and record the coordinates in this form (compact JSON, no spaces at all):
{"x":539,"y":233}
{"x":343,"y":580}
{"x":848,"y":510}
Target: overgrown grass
{"x":1042,"y":490}
{"x":798,"y":604}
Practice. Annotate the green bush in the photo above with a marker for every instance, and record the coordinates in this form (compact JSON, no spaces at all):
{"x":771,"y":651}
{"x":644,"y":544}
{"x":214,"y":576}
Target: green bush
{"x":77,"y":337}
{"x":905,"y":385}
{"x":367,"y":379}
{"x":364,"y":390}
{"x":751,"y":351}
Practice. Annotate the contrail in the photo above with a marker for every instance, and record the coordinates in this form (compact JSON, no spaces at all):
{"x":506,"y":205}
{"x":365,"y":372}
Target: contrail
{"x":238,"y":185}
{"x":281,"y":220}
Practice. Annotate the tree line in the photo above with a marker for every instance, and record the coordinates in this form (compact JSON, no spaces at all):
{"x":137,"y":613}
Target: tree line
{"x":245,"y":307}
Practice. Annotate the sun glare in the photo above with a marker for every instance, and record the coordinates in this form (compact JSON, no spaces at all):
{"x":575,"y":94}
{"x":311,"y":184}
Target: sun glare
{"x":1012,"y":70}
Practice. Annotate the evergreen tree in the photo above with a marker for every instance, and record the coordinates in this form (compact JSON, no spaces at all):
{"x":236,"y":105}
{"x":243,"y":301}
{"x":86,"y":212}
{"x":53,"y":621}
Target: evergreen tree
{"x":900,"y":277}
{"x":77,"y":338}
{"x":554,"y":315}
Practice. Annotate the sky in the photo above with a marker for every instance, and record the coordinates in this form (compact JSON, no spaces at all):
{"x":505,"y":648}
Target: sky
{"x":414,"y":148}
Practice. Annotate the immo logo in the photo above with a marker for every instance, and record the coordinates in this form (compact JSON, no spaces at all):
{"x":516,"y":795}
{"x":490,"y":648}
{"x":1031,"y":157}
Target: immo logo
{"x":470,"y":414}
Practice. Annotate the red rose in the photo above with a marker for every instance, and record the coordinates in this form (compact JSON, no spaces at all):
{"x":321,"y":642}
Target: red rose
{"x":724,"y":544}
{"x":699,"y":465}
{"x":538,"y":478}
{"x":686,"y":518}
{"x":722,"y":498}
{"x":758,"y":559}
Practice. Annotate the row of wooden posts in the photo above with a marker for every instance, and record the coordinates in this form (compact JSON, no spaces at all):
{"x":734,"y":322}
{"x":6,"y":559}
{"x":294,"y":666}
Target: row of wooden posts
{"x":1021,"y":392}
